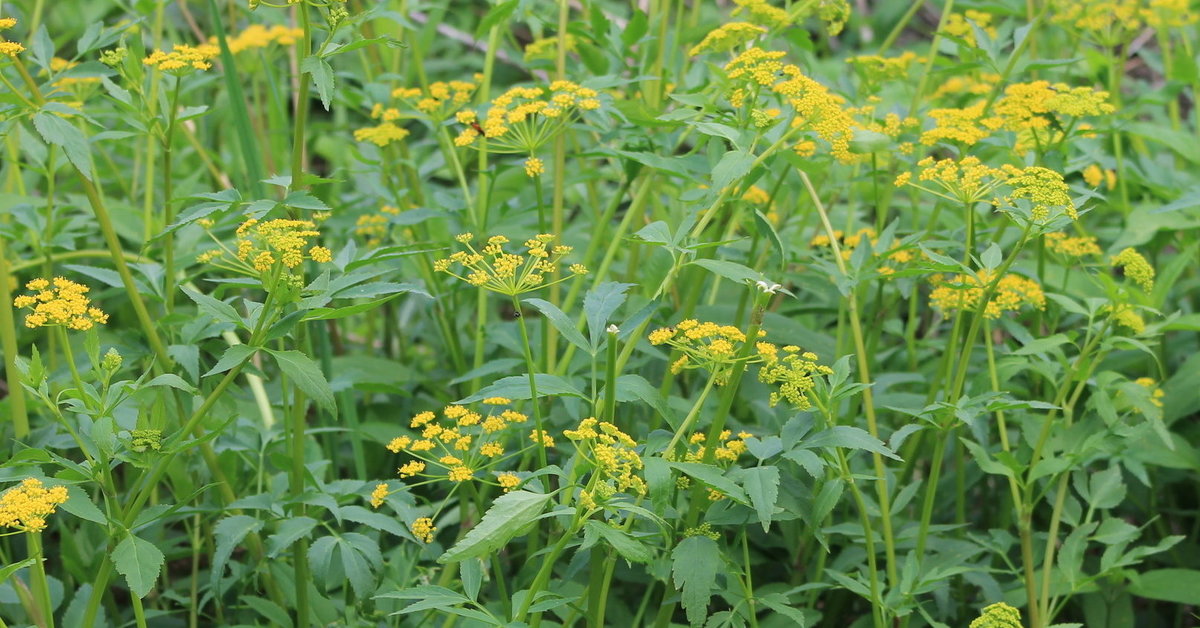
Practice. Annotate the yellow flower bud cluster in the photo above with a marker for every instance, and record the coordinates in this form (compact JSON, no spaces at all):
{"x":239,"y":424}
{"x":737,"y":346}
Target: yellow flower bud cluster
{"x":259,"y":36}
{"x":1136,"y":268}
{"x":26,"y":506}
{"x":460,"y":444}
{"x":59,"y":303}
{"x":1081,"y":246}
{"x":727,"y":449}
{"x":1094,"y":175}
{"x":492,"y":268}
{"x":1043,"y":188}
{"x":727,"y":37}
{"x":423,"y":529}
{"x":262,"y":244}
{"x":614,"y":456}
{"x":793,"y":372}
{"x":877,"y":69}
{"x":374,"y":227}
{"x":762,"y":13}
{"x":546,"y":48}
{"x":998,"y":615}
{"x":183,"y":59}
{"x":963,"y":292}
{"x":706,"y":345}
{"x":959,"y":25}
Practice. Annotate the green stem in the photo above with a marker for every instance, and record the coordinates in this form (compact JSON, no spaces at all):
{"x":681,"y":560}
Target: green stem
{"x":8,"y":343}
{"x":533,"y":392}
{"x":41,"y":588}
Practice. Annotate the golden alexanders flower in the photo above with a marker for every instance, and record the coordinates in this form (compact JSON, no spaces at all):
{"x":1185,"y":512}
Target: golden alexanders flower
{"x":963,"y":292}
{"x":1081,"y":246}
{"x":727,"y":449}
{"x":877,"y":69}
{"x":546,"y":48}
{"x":794,"y":372}
{"x":263,"y":244}
{"x":1136,"y":268}
{"x":705,"y":345}
{"x":762,"y":13}
{"x":958,"y":25}
{"x":60,"y":302}
{"x":183,"y":59}
{"x":1094,"y":176}
{"x":523,"y":119}
{"x":257,"y":36}
{"x":998,"y":615}
{"x":1042,"y":189}
{"x":614,"y":457}
{"x":459,"y":445}
{"x":512,"y":274}
{"x":727,"y":37}
{"x":26,"y":506}
{"x":423,"y":529}
{"x":966,"y":181}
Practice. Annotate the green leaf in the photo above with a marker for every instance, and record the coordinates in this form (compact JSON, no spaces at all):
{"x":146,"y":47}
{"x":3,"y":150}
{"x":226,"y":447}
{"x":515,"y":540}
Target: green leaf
{"x":734,"y":165}
{"x":562,"y":323}
{"x":762,"y":486}
{"x":713,"y":476}
{"x":229,"y":532}
{"x":1181,"y":586}
{"x":274,"y":613}
{"x":376,"y":520}
{"x":471,"y":573}
{"x":694,"y":565}
{"x":599,"y":304}
{"x":9,"y":570}
{"x":290,"y":531}
{"x":360,"y":554}
{"x":233,"y":356}
{"x":322,"y":74}
{"x":849,"y":438}
{"x":517,"y":387}
{"x":219,"y":310}
{"x":139,"y":561}
{"x":495,"y":16}
{"x":631,"y":387}
{"x":80,"y":504}
{"x":305,"y":373}
{"x":628,"y":547}
{"x":504,"y":520}
{"x":732,"y":271}
{"x":58,"y":131}
{"x":429,"y":596}
{"x":1106,"y":489}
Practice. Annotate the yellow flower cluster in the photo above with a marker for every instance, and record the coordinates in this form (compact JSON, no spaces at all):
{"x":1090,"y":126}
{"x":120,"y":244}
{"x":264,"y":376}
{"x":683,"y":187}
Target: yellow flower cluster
{"x":384,"y":133}
{"x":848,"y":244}
{"x":509,"y":273}
{"x":961,"y":84}
{"x":1043,"y":188}
{"x":1136,"y":268}
{"x":523,"y":119}
{"x":1125,"y":316}
{"x":374,"y":227}
{"x":965,"y":125}
{"x":959,"y":25}
{"x":7,"y":23}
{"x":263,"y":244}
{"x":534,"y":167}
{"x":11,"y":48}
{"x":727,"y":37}
{"x":704,"y":345}
{"x":817,"y":109}
{"x":1156,"y":393}
{"x":1030,"y":105}
{"x":615,"y":457}
{"x":998,"y":615}
{"x":183,"y":59}
{"x":1094,"y":175}
{"x":61,"y":302}
{"x":728,"y":447}
{"x":793,"y":372}
{"x":26,"y":506}
{"x":1163,"y":14}
{"x":761,"y":13}
{"x":1080,"y":246}
{"x":462,"y":443}
{"x":379,"y":494}
{"x":963,"y":292}
{"x":423,"y":529}
{"x":966,"y":180}
{"x":547,"y":47}
{"x":440,"y":100}
{"x":1107,"y":21}
{"x":259,"y":36}
{"x":58,"y":64}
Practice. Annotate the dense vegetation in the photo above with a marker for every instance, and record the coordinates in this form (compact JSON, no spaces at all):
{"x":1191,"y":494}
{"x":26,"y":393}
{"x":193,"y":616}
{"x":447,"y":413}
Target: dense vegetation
{"x":561,"y":313}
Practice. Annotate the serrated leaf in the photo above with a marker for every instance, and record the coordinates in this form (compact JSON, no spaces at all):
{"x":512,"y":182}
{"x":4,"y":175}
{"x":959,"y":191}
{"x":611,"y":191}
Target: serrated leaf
{"x":229,"y":532}
{"x":140,"y":562}
{"x":505,"y":519}
{"x":322,"y":74}
{"x":517,"y":387}
{"x":626,"y":546}
{"x":233,"y":356}
{"x":306,"y":375}
{"x":713,"y":476}
{"x":562,"y":323}
{"x":219,"y":310}
{"x":290,"y":531}
{"x":80,"y":504}
{"x":58,"y":131}
{"x":849,"y":438}
{"x":694,"y":565}
{"x":599,"y":304}
{"x":762,"y":487}
{"x":1181,"y":586}
{"x":733,"y":271}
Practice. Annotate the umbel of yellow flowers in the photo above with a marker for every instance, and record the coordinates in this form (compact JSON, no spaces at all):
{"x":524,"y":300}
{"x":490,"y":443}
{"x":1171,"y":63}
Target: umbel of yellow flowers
{"x":26,"y":506}
{"x":492,"y":268}
{"x":59,"y":303}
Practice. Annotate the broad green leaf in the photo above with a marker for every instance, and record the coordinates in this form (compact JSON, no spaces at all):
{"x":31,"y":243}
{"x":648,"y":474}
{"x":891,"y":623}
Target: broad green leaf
{"x":1106,"y":489}
{"x":694,"y":565}
{"x":714,"y":477}
{"x":376,"y":520}
{"x":139,"y":561}
{"x":428,"y":596}
{"x":632,"y":387}
{"x":360,"y":557}
{"x":628,"y":547}
{"x":470,"y":571}
{"x":219,"y":310}
{"x":562,"y":323}
{"x":599,"y":305}
{"x":509,"y":514}
{"x":322,"y":74}
{"x":305,"y":374}
{"x":290,"y":531}
{"x":80,"y":504}
{"x":1181,"y":586}
{"x":58,"y":131}
{"x":849,"y":438}
{"x":732,"y":271}
{"x":272,"y":612}
{"x":517,"y":387}
{"x":762,"y":487}
{"x":734,"y":165}
{"x":233,"y":356}
{"x":229,"y":532}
